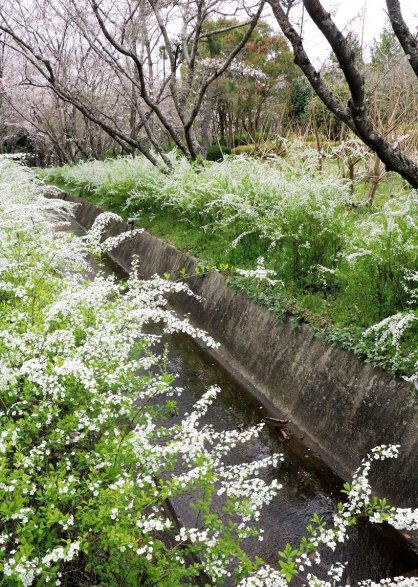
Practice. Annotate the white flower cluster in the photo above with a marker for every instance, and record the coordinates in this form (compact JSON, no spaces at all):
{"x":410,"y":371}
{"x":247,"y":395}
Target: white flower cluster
{"x":393,"y":326}
{"x":400,"y":518}
{"x":266,"y":576}
{"x":335,"y":574}
{"x":260,"y":273}
{"x":358,"y":501}
{"x":391,"y":330}
{"x":97,"y":244}
{"x":26,"y":570}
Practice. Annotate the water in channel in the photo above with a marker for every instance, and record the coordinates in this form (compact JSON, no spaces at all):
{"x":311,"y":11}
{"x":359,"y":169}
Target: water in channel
{"x":309,"y":486}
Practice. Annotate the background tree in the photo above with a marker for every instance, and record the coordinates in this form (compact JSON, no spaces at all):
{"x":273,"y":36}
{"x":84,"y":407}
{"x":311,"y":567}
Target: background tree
{"x":355,"y":114}
{"x":251,"y":99}
{"x":386,"y":51}
{"x":67,"y":43}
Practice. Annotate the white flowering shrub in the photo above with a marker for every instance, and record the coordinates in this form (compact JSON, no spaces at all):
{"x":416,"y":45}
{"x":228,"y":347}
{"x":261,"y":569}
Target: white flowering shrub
{"x":337,"y":263}
{"x":300,"y":562}
{"x":111,"y":181}
{"x":86,"y":466}
{"x":286,"y":207}
{"x":379,"y":275}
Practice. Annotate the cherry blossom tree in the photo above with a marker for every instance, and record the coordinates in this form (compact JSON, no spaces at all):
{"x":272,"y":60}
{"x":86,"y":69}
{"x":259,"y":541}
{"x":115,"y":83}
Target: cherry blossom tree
{"x":108,"y":61}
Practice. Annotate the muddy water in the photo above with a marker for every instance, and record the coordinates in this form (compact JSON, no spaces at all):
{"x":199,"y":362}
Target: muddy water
{"x":309,"y":486}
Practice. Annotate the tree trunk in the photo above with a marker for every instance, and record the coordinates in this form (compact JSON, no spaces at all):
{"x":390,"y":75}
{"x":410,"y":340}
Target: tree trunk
{"x":354,"y":115}
{"x":375,"y":178}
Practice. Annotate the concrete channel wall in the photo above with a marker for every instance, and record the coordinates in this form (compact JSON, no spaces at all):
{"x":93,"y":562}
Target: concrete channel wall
{"x":344,"y":406}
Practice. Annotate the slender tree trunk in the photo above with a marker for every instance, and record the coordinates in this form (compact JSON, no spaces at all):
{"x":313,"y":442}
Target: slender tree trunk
{"x":374,"y":181}
{"x":206,"y":124}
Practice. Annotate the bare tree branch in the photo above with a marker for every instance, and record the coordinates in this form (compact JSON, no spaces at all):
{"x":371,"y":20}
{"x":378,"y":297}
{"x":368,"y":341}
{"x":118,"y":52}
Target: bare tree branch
{"x":407,"y":40}
{"x":227,"y":62}
{"x":226,"y":29}
{"x":355,"y":115}
{"x":141,"y":77}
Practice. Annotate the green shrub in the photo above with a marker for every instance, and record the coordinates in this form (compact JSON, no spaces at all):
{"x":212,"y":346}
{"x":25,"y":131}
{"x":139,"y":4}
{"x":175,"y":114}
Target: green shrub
{"x":217,"y":152}
{"x":352,"y":260}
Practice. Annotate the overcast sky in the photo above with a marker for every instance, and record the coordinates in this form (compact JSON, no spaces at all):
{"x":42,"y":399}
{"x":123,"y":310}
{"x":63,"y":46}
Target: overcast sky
{"x":348,"y":14}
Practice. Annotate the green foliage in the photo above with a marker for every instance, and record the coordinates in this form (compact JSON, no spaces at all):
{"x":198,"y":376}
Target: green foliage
{"x":216,"y":152}
{"x":344,"y":267}
{"x":263,"y":148}
{"x":323,"y":118}
{"x":245,"y":150}
{"x":386,"y":50}
{"x":301,"y":94}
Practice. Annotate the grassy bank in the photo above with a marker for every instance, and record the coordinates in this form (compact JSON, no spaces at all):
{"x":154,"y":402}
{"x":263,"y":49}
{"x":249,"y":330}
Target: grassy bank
{"x":89,"y":453}
{"x":349,"y":270}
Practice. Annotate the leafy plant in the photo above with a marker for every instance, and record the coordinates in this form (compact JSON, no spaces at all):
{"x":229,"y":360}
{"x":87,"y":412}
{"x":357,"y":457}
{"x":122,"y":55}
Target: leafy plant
{"x":341,"y":264}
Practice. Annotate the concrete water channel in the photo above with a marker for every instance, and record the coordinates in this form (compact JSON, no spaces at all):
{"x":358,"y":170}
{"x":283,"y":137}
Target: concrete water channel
{"x":309,"y":486}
